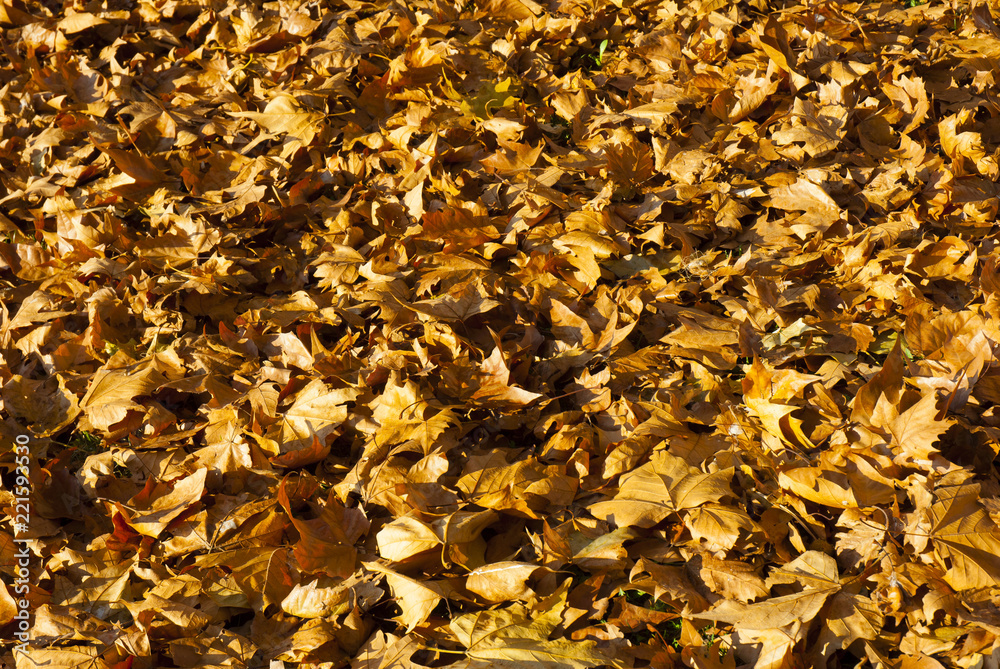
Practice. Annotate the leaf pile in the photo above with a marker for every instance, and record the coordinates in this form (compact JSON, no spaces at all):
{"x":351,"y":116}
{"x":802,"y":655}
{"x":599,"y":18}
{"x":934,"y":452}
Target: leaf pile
{"x":502,"y":334}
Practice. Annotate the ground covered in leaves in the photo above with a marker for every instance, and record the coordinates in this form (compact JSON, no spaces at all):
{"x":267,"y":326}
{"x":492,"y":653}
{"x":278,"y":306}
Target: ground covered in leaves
{"x":506,"y":333}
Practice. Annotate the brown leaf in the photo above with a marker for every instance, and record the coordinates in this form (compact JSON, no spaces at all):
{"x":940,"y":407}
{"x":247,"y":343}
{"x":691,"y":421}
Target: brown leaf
{"x":731,"y":579}
{"x":47,"y":405}
{"x":471,"y":301}
{"x":914,"y":431}
{"x":659,"y":488}
{"x":502,"y":581}
{"x":283,"y":115}
{"x":416,"y":598}
{"x":316,"y":412}
{"x":965,"y":538}
{"x":150,"y":516}
{"x":518,"y":637}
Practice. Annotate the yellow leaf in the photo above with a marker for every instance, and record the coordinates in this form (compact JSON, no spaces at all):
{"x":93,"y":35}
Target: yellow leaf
{"x":283,"y":115}
{"x":965,"y":538}
{"x":416,"y":598}
{"x":517,"y":637}
{"x":659,"y":488}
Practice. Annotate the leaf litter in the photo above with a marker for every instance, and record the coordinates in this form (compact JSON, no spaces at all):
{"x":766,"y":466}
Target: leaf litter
{"x":580,"y":333}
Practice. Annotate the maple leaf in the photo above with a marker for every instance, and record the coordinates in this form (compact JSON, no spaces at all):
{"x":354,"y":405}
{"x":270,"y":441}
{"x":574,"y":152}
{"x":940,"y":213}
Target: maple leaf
{"x":326,"y":542}
{"x":317,"y":599}
{"x":142,"y":170}
{"x":516,"y":160}
{"x":492,"y":97}
{"x":720,"y":526}
{"x":456,"y":537}
{"x":965,"y":148}
{"x":402,"y":415}
{"x":667,"y":582}
{"x":913,"y":431}
{"x":315,"y":413}
{"x":819,"y":130}
{"x":495,"y":386}
{"x":737,"y":580}
{"x":471,"y":301}
{"x":861,"y":485}
{"x":261,"y":576}
{"x":387,"y":651}
{"x":762,"y":386}
{"x":459,"y":229}
{"x":777,"y":622}
{"x":283,"y":115}
{"x":517,"y":636}
{"x":416,"y":598}
{"x":149,"y":513}
{"x":66,"y":658}
{"x":112,"y":394}
{"x":502,"y":581}
{"x":664,"y":485}
{"x":9,"y":606}
{"x":965,"y":538}
{"x":524,"y":487}
{"x":47,"y":405}
{"x":630,"y":165}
